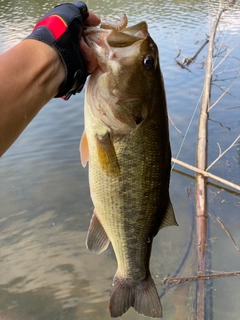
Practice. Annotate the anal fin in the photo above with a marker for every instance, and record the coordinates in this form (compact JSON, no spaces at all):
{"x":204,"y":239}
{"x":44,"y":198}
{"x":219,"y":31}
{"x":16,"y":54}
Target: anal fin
{"x":97,"y":239}
{"x":169,"y":217}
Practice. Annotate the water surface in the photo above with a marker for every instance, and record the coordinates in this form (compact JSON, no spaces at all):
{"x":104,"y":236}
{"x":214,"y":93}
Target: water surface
{"x":45,"y":208}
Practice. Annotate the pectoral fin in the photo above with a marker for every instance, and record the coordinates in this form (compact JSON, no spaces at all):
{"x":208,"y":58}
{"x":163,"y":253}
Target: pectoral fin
{"x":107,"y":156}
{"x":84,"y":152}
{"x":169,"y":218}
{"x":97,"y":239}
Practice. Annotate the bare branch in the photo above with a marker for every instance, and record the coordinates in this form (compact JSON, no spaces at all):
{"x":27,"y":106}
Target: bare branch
{"x":226,"y":79}
{"x":222,"y":153}
{"x":226,"y":71}
{"x":222,"y":95}
{"x":201,"y":162}
{"x":206,"y":174}
{"x":219,"y":149}
{"x":170,"y":119}
{"x":224,"y":58}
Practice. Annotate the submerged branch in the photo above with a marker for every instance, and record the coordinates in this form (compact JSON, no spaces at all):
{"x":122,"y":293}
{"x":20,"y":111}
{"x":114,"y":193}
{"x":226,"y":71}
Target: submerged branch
{"x":201,"y":277}
{"x":187,"y":61}
{"x":228,"y":234}
{"x":226,"y":231}
{"x":183,"y":66}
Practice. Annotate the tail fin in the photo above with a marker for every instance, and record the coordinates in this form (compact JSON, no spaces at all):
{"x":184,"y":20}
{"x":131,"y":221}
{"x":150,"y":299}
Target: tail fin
{"x":142,"y":296}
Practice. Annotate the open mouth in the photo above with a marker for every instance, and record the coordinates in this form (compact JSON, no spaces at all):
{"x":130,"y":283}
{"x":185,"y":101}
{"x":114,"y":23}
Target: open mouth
{"x":108,"y":39}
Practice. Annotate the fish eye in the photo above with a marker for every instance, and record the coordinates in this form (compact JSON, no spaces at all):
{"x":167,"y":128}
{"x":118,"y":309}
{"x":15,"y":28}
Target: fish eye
{"x":148,"y":61}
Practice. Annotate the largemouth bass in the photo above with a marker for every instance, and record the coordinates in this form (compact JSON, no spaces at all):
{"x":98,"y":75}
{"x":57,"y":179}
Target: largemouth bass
{"x":126,"y":142}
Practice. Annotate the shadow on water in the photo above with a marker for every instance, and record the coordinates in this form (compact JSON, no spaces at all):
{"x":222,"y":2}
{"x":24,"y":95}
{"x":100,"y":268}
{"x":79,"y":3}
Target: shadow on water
{"x":45,"y":208}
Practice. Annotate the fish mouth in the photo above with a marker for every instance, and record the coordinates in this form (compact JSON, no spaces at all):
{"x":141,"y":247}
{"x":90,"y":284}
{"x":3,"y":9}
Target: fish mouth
{"x":107,"y":42}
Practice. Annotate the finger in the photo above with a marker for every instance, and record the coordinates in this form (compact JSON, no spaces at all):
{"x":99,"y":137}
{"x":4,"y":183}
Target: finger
{"x":92,"y":20}
{"x":89,"y":56}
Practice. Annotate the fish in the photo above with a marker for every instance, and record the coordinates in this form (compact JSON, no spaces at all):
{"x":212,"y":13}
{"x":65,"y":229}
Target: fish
{"x":127,"y":147}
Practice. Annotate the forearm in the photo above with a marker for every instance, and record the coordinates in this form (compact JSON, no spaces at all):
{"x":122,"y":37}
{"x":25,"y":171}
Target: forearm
{"x":30,"y":75}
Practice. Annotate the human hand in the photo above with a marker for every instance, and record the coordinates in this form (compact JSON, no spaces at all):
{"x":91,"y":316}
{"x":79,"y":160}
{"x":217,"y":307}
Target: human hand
{"x":62,"y":28}
{"x":89,"y":55}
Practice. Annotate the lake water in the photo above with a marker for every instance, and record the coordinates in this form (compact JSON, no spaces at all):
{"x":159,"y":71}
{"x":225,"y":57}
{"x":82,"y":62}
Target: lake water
{"x":46,"y":273}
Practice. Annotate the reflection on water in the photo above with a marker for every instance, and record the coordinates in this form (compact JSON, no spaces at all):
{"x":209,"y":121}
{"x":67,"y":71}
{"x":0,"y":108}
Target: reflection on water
{"x":45,"y":270}
{"x":52,"y":262}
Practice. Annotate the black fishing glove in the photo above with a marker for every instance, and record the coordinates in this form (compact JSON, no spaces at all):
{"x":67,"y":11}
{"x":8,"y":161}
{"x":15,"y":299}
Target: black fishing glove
{"x":62,"y":29}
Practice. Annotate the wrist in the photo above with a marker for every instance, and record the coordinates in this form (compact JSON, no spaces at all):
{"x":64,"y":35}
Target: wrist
{"x":50,"y":71}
